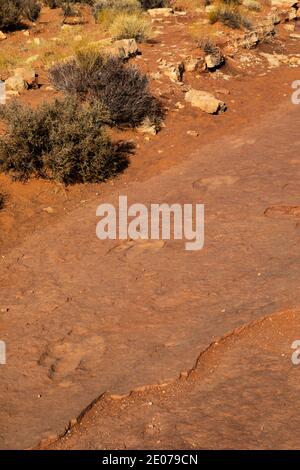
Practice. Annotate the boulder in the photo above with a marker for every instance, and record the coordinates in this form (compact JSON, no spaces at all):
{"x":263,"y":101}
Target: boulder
{"x":15,"y":84}
{"x":126,"y":48}
{"x":173,"y":71}
{"x":214,"y":60}
{"x":192,"y":64}
{"x":205,"y":101}
{"x":154,"y":12}
{"x":292,"y":15}
{"x":28,"y":75}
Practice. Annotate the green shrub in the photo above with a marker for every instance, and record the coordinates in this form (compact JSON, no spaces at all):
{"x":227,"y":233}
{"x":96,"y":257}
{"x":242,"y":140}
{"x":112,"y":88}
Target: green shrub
{"x":65,"y":141}
{"x":131,"y":25}
{"x":13,"y":11}
{"x":123,"y":90}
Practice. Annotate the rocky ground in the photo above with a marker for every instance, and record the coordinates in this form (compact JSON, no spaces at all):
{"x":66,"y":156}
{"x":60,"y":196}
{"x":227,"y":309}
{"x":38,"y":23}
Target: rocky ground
{"x":82,"y":318}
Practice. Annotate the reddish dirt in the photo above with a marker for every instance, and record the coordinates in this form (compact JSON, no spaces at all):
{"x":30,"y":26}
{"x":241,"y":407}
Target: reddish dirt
{"x":82,"y":317}
{"x":242,"y":394}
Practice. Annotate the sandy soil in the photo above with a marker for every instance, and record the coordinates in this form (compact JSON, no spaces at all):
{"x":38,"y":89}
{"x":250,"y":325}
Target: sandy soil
{"x":82,"y":317}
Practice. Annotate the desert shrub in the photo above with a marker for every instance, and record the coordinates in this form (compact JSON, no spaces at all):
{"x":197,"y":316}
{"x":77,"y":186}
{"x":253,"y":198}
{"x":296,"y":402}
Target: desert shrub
{"x":118,"y":5}
{"x":63,"y":3}
{"x":65,"y":141}
{"x":31,"y":9}
{"x":131,"y":25}
{"x":2,"y":201}
{"x":123,"y":89}
{"x":12,"y":11}
{"x":148,"y":4}
{"x":229,"y":15}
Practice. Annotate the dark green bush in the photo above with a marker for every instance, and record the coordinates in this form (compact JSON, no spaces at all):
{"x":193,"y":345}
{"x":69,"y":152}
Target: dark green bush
{"x":13,"y":11}
{"x":148,"y":4}
{"x":65,"y":141}
{"x":123,"y":90}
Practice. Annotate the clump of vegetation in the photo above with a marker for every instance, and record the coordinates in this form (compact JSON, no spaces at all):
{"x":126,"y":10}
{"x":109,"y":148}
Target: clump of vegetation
{"x":116,"y":5}
{"x":13,"y":11}
{"x":62,"y":3}
{"x":230,"y":15}
{"x":148,"y":4}
{"x":65,"y":141}
{"x":122,"y":89}
{"x":131,"y":25}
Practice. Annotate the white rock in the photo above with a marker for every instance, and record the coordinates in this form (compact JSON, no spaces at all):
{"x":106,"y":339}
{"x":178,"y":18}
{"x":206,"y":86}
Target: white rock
{"x":15,"y":84}
{"x":2,"y":36}
{"x":126,"y":48}
{"x":205,"y":101}
{"x":160,"y":12}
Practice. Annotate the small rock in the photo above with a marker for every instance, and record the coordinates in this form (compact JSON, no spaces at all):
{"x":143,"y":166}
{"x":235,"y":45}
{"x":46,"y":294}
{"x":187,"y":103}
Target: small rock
{"x":214,"y":60}
{"x":147,"y":127}
{"x":2,"y":36}
{"x":154,"y":12}
{"x":205,"y":101}
{"x":26,"y":33}
{"x":155,"y":75}
{"x":295,"y":35}
{"x":292,"y":15}
{"x":73,"y":20}
{"x":174,"y":72}
{"x":37,"y":41}
{"x":15,"y":84}
{"x":285,"y":3}
{"x":28,"y":75}
{"x":49,"y":210}
{"x":179,"y":105}
{"x":193,"y":64}
{"x":193,"y":133}
{"x":126,"y":48}
{"x":289,"y":27}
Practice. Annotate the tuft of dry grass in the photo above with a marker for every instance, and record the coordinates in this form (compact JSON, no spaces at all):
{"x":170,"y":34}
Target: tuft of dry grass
{"x":230,"y":15}
{"x":131,"y":25}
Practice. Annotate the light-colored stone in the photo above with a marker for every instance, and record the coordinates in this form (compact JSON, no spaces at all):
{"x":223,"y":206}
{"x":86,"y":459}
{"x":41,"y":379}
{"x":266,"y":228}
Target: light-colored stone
{"x":214,"y":60}
{"x":193,"y":133}
{"x":284,"y":3}
{"x":73,"y":20}
{"x":289,"y":27}
{"x":292,"y":15}
{"x":205,"y":101}
{"x":126,"y":48}
{"x":173,"y":71}
{"x":192,"y":64}
{"x":15,"y":84}
{"x":2,"y":36}
{"x":147,"y":127}
{"x":154,"y":12}
{"x":28,"y":75}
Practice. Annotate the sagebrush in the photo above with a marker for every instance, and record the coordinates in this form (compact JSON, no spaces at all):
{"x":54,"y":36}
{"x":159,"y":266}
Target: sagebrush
{"x":64,"y":140}
{"x":13,"y":11}
{"x":131,"y":25}
{"x":123,"y":89}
